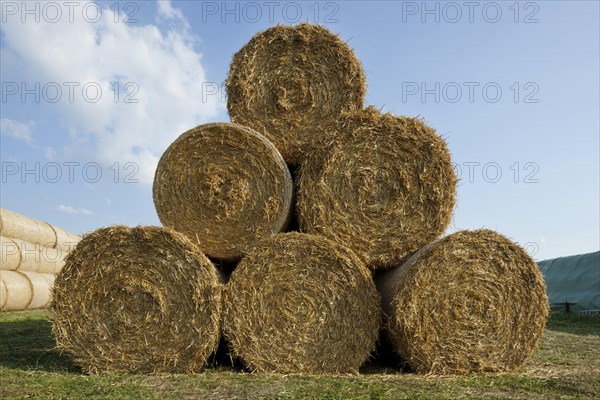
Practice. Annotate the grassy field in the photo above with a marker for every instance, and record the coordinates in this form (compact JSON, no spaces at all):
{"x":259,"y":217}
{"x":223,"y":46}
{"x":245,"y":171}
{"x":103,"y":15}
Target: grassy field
{"x":566,"y":366}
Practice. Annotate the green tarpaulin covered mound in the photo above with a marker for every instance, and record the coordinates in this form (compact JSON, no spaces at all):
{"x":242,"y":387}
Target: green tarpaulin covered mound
{"x":574,"y":280}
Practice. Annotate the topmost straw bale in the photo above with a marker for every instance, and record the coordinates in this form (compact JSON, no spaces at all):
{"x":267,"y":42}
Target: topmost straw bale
{"x":289,"y":82}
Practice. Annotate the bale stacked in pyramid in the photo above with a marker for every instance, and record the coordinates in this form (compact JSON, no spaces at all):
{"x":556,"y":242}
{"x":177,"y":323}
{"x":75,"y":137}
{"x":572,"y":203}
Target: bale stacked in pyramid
{"x":367,"y":196}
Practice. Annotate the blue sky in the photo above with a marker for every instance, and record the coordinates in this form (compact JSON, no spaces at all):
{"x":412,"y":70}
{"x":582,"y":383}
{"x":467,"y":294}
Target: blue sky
{"x":91,"y":99}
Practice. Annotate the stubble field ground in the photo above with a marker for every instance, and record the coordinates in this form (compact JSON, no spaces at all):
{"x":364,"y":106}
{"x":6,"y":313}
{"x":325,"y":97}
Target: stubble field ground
{"x":566,"y":365}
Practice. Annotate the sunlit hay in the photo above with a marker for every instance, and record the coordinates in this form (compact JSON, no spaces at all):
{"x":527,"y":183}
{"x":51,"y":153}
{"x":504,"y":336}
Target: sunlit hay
{"x":224,"y":186}
{"x":300,"y":303}
{"x":290,"y":82}
{"x":471,"y":302}
{"x":141,"y":299}
{"x":384,"y":189}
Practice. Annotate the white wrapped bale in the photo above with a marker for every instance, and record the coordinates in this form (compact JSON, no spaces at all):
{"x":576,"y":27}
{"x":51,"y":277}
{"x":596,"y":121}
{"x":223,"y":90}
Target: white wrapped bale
{"x":19,"y":226}
{"x":19,"y":255}
{"x":25,"y":290}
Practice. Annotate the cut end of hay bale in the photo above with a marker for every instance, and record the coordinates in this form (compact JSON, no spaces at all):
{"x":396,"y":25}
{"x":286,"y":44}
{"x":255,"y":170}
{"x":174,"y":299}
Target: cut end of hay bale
{"x":473,"y":301}
{"x":300,"y":303}
{"x":384,"y":187}
{"x":289,"y":82}
{"x":141,"y":299}
{"x":224,"y":186}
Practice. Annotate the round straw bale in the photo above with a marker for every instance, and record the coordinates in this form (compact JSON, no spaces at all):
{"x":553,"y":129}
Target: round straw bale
{"x":17,"y":291}
{"x":471,"y":302}
{"x":10,"y":252}
{"x":384,"y":189}
{"x":65,"y":241}
{"x":41,"y":289}
{"x":289,"y":82}
{"x":141,"y":299}
{"x":3,"y":293}
{"x":19,"y":226}
{"x":25,"y":290}
{"x":224,"y":186}
{"x":24,"y":256}
{"x":300,"y":303}
{"x":15,"y":225}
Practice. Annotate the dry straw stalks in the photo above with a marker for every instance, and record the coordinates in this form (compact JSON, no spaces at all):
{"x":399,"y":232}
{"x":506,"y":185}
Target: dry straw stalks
{"x":225,"y":187}
{"x":471,"y":302}
{"x":148,"y":299}
{"x":141,"y":299}
{"x":385,"y":187}
{"x":301,"y":303}
{"x":290,"y":82}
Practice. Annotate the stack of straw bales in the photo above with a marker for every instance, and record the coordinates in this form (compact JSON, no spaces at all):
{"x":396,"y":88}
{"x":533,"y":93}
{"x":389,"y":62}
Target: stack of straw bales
{"x":32,"y":252}
{"x":373,"y":193}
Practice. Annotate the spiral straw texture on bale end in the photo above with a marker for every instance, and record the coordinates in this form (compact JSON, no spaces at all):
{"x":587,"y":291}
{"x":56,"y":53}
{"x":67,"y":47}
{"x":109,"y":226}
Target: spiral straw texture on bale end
{"x":471,"y":302}
{"x":141,"y":299}
{"x":224,"y":186}
{"x":385,"y":189}
{"x":289,"y":82}
{"x":300,"y":303}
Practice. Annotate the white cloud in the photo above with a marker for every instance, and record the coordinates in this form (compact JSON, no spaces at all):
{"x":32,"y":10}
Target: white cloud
{"x":17,"y":130}
{"x":161,"y":66}
{"x":22,"y":131}
{"x":73,"y":210}
{"x":50,"y":152}
{"x":166,"y":10}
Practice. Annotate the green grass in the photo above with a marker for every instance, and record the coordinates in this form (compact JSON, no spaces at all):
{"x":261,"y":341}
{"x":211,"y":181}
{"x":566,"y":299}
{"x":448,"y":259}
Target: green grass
{"x":566,"y":366}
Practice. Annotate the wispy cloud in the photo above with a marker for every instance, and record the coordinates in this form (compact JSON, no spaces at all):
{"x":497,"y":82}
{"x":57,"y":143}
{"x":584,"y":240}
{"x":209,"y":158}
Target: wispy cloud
{"x":166,"y":10}
{"x":72,"y":210}
{"x":49,"y":152}
{"x":17,"y":130}
{"x":23,"y":131}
